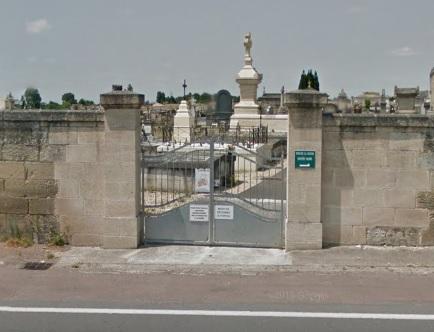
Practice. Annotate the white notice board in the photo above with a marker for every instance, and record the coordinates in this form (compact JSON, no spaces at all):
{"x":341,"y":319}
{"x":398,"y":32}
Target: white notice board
{"x":199,"y":212}
{"x":201,"y":180}
{"x":224,"y":212}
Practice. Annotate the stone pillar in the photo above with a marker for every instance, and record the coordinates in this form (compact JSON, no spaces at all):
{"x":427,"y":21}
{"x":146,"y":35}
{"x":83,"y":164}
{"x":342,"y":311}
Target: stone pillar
{"x":304,"y":227}
{"x":182,"y":123}
{"x":431,"y":78}
{"x":121,"y":166}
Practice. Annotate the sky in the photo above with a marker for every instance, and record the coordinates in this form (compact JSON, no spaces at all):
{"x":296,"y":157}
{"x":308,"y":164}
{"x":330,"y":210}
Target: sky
{"x":85,"y":46}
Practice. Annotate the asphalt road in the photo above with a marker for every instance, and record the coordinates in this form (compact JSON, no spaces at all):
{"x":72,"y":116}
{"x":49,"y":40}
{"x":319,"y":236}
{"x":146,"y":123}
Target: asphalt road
{"x":284,"y":299}
{"x":67,"y":322}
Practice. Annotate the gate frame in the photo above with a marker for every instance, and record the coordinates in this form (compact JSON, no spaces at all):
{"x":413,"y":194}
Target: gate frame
{"x":212,"y":198}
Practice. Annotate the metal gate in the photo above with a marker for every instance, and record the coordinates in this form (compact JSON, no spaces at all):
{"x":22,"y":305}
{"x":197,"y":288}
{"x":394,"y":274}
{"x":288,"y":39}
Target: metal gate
{"x":213,"y":193}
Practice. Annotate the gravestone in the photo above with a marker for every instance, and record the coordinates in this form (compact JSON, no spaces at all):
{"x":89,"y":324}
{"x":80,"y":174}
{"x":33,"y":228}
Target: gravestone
{"x":223,"y":110}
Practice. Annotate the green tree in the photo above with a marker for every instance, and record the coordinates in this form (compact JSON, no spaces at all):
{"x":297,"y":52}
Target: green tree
{"x":68,"y":99}
{"x":85,"y":102}
{"x":130,"y":87}
{"x":303,"y":81}
{"x":205,"y":98}
{"x":315,"y":81}
{"x":161,"y":97}
{"x":53,"y":106}
{"x":367,"y":104}
{"x":32,"y":98}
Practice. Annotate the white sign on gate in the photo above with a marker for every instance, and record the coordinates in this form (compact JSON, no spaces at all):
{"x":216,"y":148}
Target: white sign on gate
{"x":199,"y":212}
{"x":224,"y":212}
{"x":201,"y":180}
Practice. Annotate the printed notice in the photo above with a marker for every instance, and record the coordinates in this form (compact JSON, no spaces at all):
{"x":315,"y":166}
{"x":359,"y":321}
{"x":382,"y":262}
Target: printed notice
{"x":199,"y":212}
{"x":201,"y":180}
{"x":224,"y":212}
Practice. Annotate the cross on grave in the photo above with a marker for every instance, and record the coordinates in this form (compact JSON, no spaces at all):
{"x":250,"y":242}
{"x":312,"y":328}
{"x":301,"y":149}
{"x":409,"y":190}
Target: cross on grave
{"x":184,"y":86}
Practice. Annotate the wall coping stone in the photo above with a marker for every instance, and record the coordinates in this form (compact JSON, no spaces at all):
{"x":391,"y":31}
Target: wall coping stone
{"x":53,"y":115}
{"x":377,"y":120}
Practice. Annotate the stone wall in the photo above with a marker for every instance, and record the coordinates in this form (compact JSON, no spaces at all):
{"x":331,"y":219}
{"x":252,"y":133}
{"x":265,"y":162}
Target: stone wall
{"x":50,"y":175}
{"x":377,"y":179}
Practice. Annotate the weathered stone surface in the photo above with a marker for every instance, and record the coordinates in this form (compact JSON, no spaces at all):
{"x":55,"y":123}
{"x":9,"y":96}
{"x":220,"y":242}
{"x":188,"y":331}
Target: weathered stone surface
{"x":13,"y":205}
{"x":53,"y":153}
{"x":394,"y":236}
{"x":10,"y":170}
{"x":20,"y":152}
{"x":41,"y":206}
{"x":378,"y":216}
{"x":412,"y":217}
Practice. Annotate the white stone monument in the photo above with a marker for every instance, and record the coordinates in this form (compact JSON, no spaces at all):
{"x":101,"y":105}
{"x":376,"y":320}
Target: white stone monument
{"x":431,"y":79}
{"x":182,"y":123}
{"x":246,"y":111}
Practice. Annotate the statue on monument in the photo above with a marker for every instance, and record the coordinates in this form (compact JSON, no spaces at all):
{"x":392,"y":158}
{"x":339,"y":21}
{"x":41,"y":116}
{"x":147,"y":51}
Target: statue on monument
{"x":247,"y":46}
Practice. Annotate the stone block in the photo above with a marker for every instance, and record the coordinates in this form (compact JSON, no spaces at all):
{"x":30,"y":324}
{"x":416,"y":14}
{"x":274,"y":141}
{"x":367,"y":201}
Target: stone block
{"x":416,"y":180}
{"x":69,"y":207}
{"x":303,"y":236}
{"x":82,"y":224}
{"x":337,"y":235}
{"x":120,"y":242}
{"x":121,"y":171}
{"x":368,"y":198}
{"x":332,"y":196}
{"x":13,"y":205}
{"x":91,"y":189}
{"x":120,"y":190}
{"x":62,"y":135}
{"x":11,"y":170}
{"x":20,"y":152}
{"x":120,"y":137}
{"x":118,"y":209}
{"x":336,"y":158}
{"x":374,"y":216}
{"x":401,"y":159}
{"x":93,"y":207}
{"x":406,"y":141}
{"x":82,"y":153}
{"x":39,"y":171}
{"x":332,"y":140}
{"x":368,"y":158}
{"x":359,"y":235}
{"x":86,"y":240}
{"x":120,"y":227}
{"x":412,"y":217}
{"x":305,"y":135}
{"x":41,"y":206}
{"x":67,"y":189}
{"x":88,"y":136}
{"x":53,"y":153}
{"x":399,"y":198}
{"x":342,"y":216}
{"x":380,"y":178}
{"x":327,"y":177}
{"x":394,"y":236}
{"x":350,"y":178}
{"x":30,"y":189}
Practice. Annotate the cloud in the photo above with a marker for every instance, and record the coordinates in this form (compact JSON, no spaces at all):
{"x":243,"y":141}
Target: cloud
{"x":403,"y":51}
{"x":37,"y":26}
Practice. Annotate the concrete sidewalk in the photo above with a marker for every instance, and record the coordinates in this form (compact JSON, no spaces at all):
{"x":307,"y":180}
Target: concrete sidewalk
{"x":201,"y":259}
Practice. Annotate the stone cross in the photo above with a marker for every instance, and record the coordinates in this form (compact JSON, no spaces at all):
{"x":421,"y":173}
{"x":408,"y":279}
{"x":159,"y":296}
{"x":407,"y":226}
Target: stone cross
{"x":184,"y":86}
